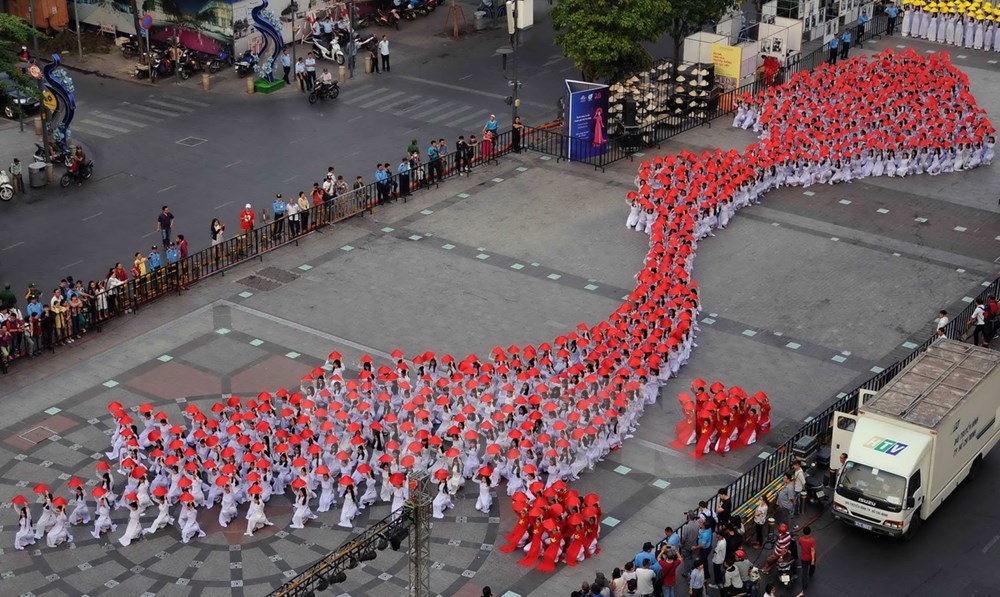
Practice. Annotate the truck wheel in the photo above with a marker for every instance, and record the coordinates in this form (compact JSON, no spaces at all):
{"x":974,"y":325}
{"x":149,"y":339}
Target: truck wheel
{"x":974,"y":469}
{"x":915,"y":524}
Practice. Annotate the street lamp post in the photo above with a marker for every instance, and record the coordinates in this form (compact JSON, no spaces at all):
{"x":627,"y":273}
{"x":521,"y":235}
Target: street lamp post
{"x":513,"y":44}
{"x":31,"y":15}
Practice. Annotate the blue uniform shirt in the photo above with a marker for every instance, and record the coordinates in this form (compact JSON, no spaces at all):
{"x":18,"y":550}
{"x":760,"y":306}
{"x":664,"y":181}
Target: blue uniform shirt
{"x":173,"y":255}
{"x":845,"y":37}
{"x":286,"y":60}
{"x":278,"y":207}
{"x":892,"y":11}
{"x":863,"y":19}
{"x":432,"y":153}
{"x":403,"y":168}
{"x":154,"y":261}
{"x":381,"y":176}
{"x":834,"y":43}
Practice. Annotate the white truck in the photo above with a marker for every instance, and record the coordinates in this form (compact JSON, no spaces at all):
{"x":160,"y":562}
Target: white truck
{"x":913,"y":442}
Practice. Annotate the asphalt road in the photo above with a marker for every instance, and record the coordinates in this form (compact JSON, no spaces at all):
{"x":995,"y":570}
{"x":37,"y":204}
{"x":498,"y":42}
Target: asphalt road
{"x":953,"y":555}
{"x":247,"y":148}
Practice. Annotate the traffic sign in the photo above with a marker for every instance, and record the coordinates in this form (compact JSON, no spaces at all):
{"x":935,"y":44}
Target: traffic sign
{"x":35,"y":72}
{"x":146,"y":22}
{"x":49,"y":99}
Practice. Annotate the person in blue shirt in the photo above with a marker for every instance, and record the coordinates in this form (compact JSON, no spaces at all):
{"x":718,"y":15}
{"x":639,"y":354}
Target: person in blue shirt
{"x":834,"y":50}
{"x":34,"y":307}
{"x":403,"y":170}
{"x":154,"y":262}
{"x":278,"y":209}
{"x":647,"y":554}
{"x":892,"y":13}
{"x":382,"y":183}
{"x":173,"y":254}
{"x":704,"y":542}
{"x":862,"y":21}
{"x":845,"y":44}
{"x":433,"y":162}
{"x":491,"y":125}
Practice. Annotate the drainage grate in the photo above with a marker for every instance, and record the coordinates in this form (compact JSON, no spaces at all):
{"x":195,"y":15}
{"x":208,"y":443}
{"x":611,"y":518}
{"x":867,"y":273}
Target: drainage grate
{"x":192,"y":141}
{"x":259,"y":283}
{"x":280,"y":275}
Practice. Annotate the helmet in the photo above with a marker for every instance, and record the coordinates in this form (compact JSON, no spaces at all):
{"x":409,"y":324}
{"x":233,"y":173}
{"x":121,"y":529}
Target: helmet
{"x":740,"y":553}
{"x":783,"y":528}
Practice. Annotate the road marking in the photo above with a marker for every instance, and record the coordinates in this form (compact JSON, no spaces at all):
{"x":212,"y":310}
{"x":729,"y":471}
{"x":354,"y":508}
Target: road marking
{"x":117,"y":129}
{"x":294,"y":141}
{"x":465,"y":77}
{"x":72,"y":264}
{"x":145,"y":108}
{"x":362,"y":96}
{"x":437,"y":108}
{"x":150,"y":234}
{"x":419,"y":106}
{"x":133,"y":114}
{"x":392,"y":104}
{"x":89,"y":131}
{"x":118,"y":119}
{"x":992,"y":542}
{"x":291,"y":178}
{"x":166,"y":189}
{"x":92,"y":216}
{"x":480,"y":116}
{"x":223,"y":205}
{"x":451,"y":114}
{"x":669,"y":452}
{"x":234,"y":163}
{"x":356,"y":118}
{"x":384,"y":98}
{"x":13,"y":245}
{"x":170,"y":106}
{"x":469,"y":89}
{"x":187,"y":101}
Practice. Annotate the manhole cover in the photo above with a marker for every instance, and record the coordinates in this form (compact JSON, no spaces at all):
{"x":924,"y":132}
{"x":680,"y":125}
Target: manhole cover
{"x":258,"y":283}
{"x":278,"y":274}
{"x":191,"y":141}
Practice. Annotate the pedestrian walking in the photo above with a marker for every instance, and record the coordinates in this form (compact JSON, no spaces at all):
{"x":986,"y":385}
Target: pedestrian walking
{"x":310,"y":71}
{"x":16,"y":179}
{"x":403,"y":170}
{"x":383,"y":51}
{"x":164,"y":222}
{"x":300,"y":74}
{"x":286,"y":66}
{"x":807,"y":551}
{"x":834,"y":51}
{"x":845,"y":44}
{"x":978,"y":324}
{"x":892,"y":12}
{"x":278,"y":211}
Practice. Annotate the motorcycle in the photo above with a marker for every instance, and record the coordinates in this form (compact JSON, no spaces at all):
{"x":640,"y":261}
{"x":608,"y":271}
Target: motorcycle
{"x":159,"y":66}
{"x":786,"y":569}
{"x":85,"y":173}
{"x":130,"y":48}
{"x":6,"y":188}
{"x":388,"y":18}
{"x":245,"y":65}
{"x":63,"y":157}
{"x":329,"y":50}
{"x":189,"y":64}
{"x":324,"y":92}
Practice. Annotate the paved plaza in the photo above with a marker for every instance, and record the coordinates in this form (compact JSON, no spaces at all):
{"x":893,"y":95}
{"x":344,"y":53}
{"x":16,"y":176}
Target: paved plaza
{"x":804,"y":296}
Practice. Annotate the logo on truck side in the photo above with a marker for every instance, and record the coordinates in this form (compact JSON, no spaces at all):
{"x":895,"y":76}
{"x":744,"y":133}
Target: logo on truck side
{"x":887,"y":446}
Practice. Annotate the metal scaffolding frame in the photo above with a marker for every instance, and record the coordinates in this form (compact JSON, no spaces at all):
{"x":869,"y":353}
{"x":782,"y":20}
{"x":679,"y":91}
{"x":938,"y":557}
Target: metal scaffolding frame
{"x":420,"y":535}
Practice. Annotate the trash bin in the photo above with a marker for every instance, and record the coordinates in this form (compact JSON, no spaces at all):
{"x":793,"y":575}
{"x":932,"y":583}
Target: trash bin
{"x":38,"y":176}
{"x":479,"y":20}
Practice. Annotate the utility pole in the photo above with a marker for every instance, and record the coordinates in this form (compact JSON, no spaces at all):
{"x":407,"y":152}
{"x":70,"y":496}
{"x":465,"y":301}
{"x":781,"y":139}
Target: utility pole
{"x":512,"y":6}
{"x":143,"y":56}
{"x":31,"y":15}
{"x":76,"y":16}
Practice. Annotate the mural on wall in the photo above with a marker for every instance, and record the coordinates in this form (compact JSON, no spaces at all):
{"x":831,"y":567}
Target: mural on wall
{"x":212,"y":26}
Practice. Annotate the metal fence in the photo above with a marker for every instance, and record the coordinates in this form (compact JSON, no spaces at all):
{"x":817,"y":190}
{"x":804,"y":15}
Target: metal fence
{"x":745,"y":490}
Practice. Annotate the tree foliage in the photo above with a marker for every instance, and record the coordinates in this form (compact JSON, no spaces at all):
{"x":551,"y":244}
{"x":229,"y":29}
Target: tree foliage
{"x":604,"y":38}
{"x":687,"y":17}
{"x":14,"y":33}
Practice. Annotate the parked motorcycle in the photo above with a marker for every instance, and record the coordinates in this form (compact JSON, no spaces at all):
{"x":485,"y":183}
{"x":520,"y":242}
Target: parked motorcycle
{"x":130,"y":49}
{"x":189,"y":63}
{"x":329,"y":50}
{"x":324,"y":92}
{"x":65,"y":158}
{"x":245,"y":65}
{"x":387,"y":18}
{"x":6,"y":188}
{"x":85,"y":173}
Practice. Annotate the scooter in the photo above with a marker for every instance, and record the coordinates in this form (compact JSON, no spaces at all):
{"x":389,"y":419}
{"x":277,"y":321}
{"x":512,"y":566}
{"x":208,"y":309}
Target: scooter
{"x":6,"y":189}
{"x":329,"y":51}
{"x":388,"y":18}
{"x":85,"y":173}
{"x":65,"y":158}
{"x":324,"y":92}
{"x":786,"y":569}
{"x":189,"y":64}
{"x":130,"y":48}
{"x":245,"y":65}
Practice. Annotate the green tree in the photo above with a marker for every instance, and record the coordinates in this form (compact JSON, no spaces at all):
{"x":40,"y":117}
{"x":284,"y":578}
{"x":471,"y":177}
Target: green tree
{"x":688,"y":16}
{"x":604,"y":38}
{"x":14,"y":33}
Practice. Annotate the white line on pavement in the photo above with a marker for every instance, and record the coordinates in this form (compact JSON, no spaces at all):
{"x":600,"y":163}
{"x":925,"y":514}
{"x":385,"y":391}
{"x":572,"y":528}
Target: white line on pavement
{"x":150,"y":234}
{"x":13,"y":245}
{"x":468,"y":89}
{"x":166,"y":189}
{"x":291,"y":178}
{"x":234,"y":163}
{"x":72,"y":264}
{"x":465,"y":77}
{"x":992,"y":542}
{"x":356,"y":118}
{"x":223,"y":205}
{"x":169,"y":106}
{"x":92,"y":216}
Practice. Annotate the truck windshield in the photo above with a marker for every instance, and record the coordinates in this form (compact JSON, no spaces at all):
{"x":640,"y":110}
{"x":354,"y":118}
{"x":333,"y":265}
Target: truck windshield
{"x":872,"y":486}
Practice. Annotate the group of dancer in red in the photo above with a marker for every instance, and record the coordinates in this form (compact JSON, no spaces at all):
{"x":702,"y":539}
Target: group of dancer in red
{"x":716,"y":420}
{"x":556,"y":526}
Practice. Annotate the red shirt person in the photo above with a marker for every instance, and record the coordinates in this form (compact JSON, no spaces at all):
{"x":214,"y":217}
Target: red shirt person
{"x":247,"y":219}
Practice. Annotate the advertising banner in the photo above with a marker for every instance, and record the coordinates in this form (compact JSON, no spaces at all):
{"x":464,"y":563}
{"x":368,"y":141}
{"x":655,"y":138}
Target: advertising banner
{"x":585,"y":119}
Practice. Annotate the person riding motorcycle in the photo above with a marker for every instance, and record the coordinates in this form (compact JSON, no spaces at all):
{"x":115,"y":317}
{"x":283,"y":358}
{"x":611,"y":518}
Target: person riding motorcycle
{"x":79,"y":161}
{"x":325,"y":81}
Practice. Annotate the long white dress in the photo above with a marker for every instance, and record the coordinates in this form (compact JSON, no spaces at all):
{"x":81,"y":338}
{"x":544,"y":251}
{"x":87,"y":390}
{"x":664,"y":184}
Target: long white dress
{"x":45,"y":521}
{"x":327,"y":496}
{"x":190,"y":526}
{"x":228,"y":510}
{"x":103,"y":523}
{"x":302,"y":513}
{"x":163,"y":518}
{"x":256,"y":518}
{"x":398,"y":498}
{"x":134,"y":528}
{"x":485,"y":501}
{"x":348,"y":511}
{"x":442,"y":501}
{"x":59,"y":533}
{"x":25,"y":534}
{"x":81,"y":512}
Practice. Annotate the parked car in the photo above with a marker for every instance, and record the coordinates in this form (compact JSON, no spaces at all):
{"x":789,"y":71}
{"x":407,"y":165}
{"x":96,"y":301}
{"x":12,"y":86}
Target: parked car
{"x":13,"y":101}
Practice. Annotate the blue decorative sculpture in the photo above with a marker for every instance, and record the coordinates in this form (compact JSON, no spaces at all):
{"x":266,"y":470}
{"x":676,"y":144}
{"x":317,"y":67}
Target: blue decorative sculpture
{"x":58,"y":82}
{"x":269,"y":27}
